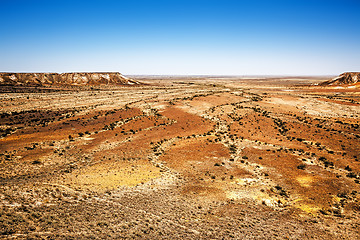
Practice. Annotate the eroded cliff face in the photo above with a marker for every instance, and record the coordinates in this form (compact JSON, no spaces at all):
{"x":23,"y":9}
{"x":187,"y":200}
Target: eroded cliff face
{"x":79,"y":78}
{"x":344,"y":78}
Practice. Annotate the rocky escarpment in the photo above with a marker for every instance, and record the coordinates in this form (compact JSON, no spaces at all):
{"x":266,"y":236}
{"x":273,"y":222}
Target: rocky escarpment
{"x":344,"y":78}
{"x":79,"y":78}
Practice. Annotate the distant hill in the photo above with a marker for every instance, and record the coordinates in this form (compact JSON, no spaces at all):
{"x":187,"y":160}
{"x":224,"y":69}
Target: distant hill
{"x":76,"y":78}
{"x":344,"y":78}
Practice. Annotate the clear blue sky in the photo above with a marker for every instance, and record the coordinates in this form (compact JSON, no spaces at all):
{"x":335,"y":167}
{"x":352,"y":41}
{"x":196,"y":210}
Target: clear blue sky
{"x":223,"y":37}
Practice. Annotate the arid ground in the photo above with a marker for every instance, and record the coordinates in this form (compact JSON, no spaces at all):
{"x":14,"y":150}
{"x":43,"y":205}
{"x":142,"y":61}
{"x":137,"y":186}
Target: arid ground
{"x":181,"y":158}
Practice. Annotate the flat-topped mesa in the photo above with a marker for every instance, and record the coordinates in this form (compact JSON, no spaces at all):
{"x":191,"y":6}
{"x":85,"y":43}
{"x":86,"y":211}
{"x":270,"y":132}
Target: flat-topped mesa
{"x":76,"y":78}
{"x":344,"y":78}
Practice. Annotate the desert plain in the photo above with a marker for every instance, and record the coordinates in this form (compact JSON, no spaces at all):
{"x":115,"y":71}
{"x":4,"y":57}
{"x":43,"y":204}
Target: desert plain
{"x":181,"y":158}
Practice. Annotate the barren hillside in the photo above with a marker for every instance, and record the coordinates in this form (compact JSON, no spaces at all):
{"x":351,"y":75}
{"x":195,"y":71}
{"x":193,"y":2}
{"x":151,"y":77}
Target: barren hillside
{"x":344,"y":78}
{"x":51,"y":79}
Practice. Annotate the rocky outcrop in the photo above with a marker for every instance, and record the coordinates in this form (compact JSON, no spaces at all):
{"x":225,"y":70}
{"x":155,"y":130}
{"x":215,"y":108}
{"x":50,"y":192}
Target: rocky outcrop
{"x":344,"y":78}
{"x":78,"y":78}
